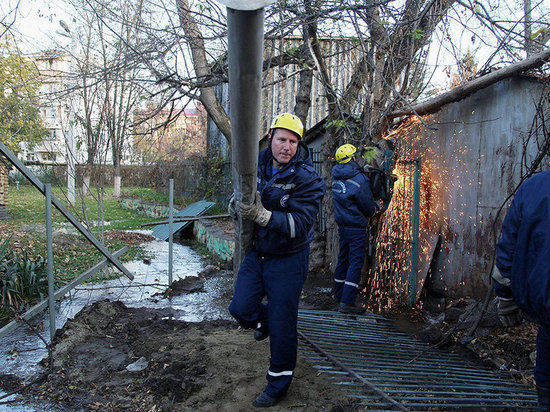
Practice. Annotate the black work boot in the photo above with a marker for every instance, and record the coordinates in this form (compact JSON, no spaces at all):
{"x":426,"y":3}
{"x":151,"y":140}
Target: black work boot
{"x":261,"y":332}
{"x":543,"y":399}
{"x":345,"y":308}
{"x":264,"y":401}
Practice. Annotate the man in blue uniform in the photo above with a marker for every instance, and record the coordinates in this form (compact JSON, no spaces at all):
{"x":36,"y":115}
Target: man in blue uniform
{"x":353,"y":204}
{"x":285,"y":208}
{"x":522,"y":273}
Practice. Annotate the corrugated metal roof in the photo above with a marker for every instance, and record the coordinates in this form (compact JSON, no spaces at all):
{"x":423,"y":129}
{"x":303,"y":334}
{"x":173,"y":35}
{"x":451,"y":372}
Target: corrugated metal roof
{"x":194,"y":209}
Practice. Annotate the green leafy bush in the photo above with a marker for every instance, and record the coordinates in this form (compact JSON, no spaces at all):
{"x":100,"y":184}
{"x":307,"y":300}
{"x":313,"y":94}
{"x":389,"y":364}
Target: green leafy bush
{"x":23,"y":281}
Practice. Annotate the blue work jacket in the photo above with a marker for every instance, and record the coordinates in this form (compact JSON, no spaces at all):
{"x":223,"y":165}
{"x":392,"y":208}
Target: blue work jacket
{"x":351,"y":196}
{"x":294,"y":196}
{"x":523,"y":250}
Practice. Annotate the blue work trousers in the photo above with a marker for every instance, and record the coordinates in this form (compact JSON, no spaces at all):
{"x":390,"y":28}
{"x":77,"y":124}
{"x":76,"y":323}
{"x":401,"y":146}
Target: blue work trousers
{"x":542,"y":367}
{"x":281,"y":279}
{"x":352,"y":243}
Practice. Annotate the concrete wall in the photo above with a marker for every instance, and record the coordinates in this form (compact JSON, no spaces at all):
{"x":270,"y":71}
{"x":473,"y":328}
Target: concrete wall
{"x":216,"y":240}
{"x":473,"y":157}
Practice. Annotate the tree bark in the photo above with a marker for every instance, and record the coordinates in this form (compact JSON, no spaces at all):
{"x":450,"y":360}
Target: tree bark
{"x":196,"y":43}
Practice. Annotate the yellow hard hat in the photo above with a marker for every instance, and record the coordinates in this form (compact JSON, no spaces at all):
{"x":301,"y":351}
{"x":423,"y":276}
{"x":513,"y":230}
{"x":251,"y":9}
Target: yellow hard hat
{"x":290,"y":122}
{"x":345,"y":152}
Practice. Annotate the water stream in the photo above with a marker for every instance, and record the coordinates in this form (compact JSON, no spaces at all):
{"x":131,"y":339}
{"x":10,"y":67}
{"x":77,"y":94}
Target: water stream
{"x":22,"y":349}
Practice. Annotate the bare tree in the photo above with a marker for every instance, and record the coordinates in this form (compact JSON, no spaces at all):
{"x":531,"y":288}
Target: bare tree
{"x":183,"y":48}
{"x":121,"y":92}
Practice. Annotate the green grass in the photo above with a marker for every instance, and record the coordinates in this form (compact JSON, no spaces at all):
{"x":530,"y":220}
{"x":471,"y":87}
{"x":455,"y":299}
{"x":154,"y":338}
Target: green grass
{"x":74,"y":254}
{"x":150,"y":196}
{"x":28,"y":206}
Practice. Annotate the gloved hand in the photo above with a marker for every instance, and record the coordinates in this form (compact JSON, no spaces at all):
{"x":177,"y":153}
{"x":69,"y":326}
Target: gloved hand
{"x":254,"y":211}
{"x":231,"y":207}
{"x":508,"y":312}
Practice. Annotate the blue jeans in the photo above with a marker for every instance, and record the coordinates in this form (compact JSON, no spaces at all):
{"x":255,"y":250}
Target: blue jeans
{"x":281,"y":279}
{"x":352,"y":243}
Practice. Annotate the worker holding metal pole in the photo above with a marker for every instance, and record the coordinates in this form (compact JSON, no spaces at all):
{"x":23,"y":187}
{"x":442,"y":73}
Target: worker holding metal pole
{"x":283,"y":211}
{"x":276,"y":199}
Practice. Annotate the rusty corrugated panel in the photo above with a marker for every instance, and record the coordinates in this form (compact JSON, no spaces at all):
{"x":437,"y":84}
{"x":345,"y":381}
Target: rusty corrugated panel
{"x":472,"y":159}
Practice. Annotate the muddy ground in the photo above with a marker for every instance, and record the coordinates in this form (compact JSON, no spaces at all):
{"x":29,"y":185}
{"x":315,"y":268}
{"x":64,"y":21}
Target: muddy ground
{"x":216,"y":366}
{"x":206,"y":366}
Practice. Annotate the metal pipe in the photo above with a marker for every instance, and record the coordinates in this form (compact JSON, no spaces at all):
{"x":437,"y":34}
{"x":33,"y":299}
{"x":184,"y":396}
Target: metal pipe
{"x":415,"y":228}
{"x":49,"y":259}
{"x":170,"y":229}
{"x":245,"y":33}
{"x":185,"y":219}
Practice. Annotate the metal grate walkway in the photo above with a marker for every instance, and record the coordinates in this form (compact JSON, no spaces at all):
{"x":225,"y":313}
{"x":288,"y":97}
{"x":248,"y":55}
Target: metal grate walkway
{"x":387,"y":370}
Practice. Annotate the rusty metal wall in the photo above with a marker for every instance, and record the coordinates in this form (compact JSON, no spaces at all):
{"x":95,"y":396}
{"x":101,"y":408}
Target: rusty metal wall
{"x":472,"y":159}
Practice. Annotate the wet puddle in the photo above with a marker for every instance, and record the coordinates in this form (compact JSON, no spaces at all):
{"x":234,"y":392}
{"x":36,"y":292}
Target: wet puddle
{"x":22,"y":349}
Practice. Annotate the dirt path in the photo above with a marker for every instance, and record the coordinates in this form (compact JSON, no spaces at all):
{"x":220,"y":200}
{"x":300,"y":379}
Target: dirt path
{"x":206,"y":366}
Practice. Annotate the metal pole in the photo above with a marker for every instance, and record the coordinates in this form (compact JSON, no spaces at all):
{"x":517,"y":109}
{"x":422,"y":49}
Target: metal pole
{"x":49,"y":259}
{"x":414,"y":235}
{"x":245,"y":28}
{"x":170,"y":229}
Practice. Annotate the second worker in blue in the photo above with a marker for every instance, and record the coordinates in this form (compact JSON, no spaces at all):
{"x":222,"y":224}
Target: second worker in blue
{"x":353,"y":204}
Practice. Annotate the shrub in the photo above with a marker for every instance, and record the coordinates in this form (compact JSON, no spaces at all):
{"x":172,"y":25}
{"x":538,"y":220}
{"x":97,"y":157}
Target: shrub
{"x":23,"y":281}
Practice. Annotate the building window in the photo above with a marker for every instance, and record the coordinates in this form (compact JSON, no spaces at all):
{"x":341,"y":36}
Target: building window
{"x":48,"y":157}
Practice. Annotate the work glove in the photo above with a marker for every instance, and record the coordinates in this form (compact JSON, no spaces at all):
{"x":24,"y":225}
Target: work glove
{"x":231,"y":207}
{"x":254,"y":211}
{"x":508,"y":312}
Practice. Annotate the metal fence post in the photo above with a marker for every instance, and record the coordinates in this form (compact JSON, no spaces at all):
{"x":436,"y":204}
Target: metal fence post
{"x":170,"y":229}
{"x":414,"y":235}
{"x":49,"y":259}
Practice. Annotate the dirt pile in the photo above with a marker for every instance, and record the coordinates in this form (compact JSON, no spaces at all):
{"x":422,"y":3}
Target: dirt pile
{"x":206,"y":366}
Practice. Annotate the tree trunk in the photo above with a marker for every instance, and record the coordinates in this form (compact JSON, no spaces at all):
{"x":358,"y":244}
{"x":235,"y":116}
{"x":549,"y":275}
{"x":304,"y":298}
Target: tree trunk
{"x":466,"y":89}
{"x":200,"y":64}
{"x":330,"y":143}
{"x":86,"y":182}
{"x":117,"y":180}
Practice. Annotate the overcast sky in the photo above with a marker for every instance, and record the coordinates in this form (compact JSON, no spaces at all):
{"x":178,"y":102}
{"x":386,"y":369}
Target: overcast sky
{"x":36,"y":23}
